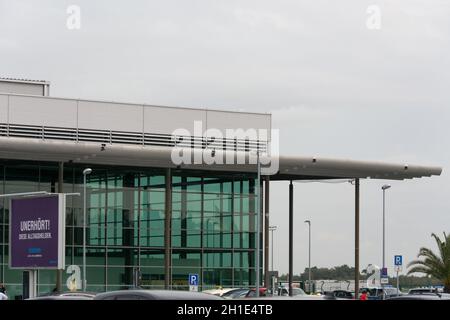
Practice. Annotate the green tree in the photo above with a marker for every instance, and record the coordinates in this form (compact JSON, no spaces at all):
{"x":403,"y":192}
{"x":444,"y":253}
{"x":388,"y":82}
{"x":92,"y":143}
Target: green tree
{"x":435,"y":265}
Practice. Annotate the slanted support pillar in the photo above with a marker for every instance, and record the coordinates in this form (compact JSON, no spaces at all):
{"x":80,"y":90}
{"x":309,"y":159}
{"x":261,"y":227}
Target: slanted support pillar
{"x":167,"y":231}
{"x":291,"y":235}
{"x":357,"y":239}
{"x":60,"y":190}
{"x":267,"y":280}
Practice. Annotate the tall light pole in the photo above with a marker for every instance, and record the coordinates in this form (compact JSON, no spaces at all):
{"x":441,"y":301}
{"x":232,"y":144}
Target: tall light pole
{"x":272,"y":229}
{"x":85,"y":173}
{"x":384,"y":188}
{"x":309,"y":256}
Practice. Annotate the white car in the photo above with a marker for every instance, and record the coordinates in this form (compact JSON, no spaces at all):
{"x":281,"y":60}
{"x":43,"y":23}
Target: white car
{"x":283,"y":291}
{"x":218,"y":292}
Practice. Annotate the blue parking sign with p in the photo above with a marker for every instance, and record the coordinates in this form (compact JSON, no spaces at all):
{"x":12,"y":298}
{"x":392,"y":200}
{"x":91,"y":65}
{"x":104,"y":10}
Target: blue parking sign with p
{"x":398,"y":260}
{"x":193,"y":279}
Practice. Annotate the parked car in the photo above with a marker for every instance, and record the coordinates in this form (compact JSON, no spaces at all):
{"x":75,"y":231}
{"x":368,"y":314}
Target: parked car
{"x":252,"y":293}
{"x":236,"y":293}
{"x":377,"y":293}
{"x":154,"y":295}
{"x":297,"y":297}
{"x":423,"y":290}
{"x":283,"y":291}
{"x":340,"y":294}
{"x":71,"y":295}
{"x":219,"y":292}
{"x":422,"y":296}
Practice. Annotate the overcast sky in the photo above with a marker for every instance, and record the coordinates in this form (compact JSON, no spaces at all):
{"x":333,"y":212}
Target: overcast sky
{"x":335,"y":83}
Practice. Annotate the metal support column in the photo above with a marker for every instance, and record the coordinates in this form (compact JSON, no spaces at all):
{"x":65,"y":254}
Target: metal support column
{"x":258,"y":228}
{"x":291,"y":235}
{"x":357,"y":239}
{"x":167,"y":231}
{"x":32,"y":285}
{"x":60,"y":190}
{"x":266,"y":233}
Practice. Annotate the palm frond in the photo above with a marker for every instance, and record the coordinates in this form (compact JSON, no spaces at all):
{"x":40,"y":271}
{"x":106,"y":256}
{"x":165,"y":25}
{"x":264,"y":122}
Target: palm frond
{"x":419,"y":269}
{"x":434,"y":264}
{"x":441,"y":245}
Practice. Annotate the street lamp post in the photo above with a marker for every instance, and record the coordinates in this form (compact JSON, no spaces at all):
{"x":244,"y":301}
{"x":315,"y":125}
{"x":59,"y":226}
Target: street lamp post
{"x":85,"y":173}
{"x":384,"y":188}
{"x":309,"y":256}
{"x":272,"y":229}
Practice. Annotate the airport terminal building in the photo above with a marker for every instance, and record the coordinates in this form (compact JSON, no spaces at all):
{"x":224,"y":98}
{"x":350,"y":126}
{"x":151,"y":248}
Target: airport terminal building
{"x":148,"y":216}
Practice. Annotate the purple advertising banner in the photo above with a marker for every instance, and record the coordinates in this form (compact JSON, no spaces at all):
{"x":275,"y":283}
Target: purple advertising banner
{"x":36,"y":236}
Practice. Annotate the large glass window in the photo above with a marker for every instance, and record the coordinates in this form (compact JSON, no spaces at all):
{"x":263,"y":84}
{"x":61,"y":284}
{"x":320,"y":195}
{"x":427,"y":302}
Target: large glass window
{"x":212,"y":225}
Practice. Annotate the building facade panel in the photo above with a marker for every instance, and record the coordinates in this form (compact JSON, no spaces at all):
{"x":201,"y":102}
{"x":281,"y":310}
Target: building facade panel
{"x":42,"y":111}
{"x":238,"y":120}
{"x":99,"y":115}
{"x":163,"y":120}
{"x":3,"y":109}
{"x":212,"y":225}
{"x":22,"y":88}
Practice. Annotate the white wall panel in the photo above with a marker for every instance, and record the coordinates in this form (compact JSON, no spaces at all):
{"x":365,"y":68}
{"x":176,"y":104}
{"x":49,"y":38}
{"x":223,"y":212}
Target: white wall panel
{"x":109,"y":116}
{"x":43,"y":111}
{"x":22,"y":88}
{"x":3,"y":109}
{"x":56,"y":112}
{"x":166,"y":120}
{"x":238,"y":120}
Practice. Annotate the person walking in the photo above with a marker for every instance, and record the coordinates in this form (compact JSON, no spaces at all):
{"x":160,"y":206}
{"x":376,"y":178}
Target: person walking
{"x":364,"y":295}
{"x":3,"y":295}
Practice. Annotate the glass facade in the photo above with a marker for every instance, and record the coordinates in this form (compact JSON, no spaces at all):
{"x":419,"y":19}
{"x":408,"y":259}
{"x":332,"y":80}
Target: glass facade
{"x":212,"y":225}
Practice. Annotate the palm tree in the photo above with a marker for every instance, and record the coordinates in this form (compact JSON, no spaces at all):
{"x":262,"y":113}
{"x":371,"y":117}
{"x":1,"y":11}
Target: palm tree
{"x":435,"y":265}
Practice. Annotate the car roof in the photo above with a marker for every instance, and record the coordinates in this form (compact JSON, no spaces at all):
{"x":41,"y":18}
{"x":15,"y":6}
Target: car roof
{"x":59,"y":297}
{"x":416,"y":297}
{"x":160,"y":295}
{"x":219,"y":291}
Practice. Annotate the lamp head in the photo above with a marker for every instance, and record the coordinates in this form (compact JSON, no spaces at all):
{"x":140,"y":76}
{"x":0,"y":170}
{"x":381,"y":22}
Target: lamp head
{"x":386,"y":186}
{"x":87,"y":171}
{"x":308,"y":222}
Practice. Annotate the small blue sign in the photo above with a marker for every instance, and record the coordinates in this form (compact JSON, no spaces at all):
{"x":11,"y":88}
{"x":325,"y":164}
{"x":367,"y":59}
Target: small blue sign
{"x":384,"y":272}
{"x":34,"y":250}
{"x":398,"y":260}
{"x":193,"y":279}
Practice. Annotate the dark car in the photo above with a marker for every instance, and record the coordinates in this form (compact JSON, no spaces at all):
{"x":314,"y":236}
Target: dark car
{"x":252,"y":293}
{"x":423,"y":296}
{"x":340,"y":294}
{"x":283,"y":291}
{"x":75,"y":295}
{"x":154,"y":295}
{"x":423,"y":290}
{"x":61,"y":298}
{"x":377,"y":293}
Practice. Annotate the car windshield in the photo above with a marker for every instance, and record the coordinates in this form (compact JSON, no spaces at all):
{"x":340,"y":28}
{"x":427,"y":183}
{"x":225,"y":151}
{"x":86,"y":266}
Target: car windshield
{"x":235,"y":293}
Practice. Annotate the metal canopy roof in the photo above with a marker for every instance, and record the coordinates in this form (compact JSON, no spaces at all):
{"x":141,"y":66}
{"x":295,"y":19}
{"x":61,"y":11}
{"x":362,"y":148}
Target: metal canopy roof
{"x":290,"y":168}
{"x":24,"y":80}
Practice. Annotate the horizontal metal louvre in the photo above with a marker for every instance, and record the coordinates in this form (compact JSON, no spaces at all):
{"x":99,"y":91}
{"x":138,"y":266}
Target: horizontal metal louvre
{"x":131,"y":138}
